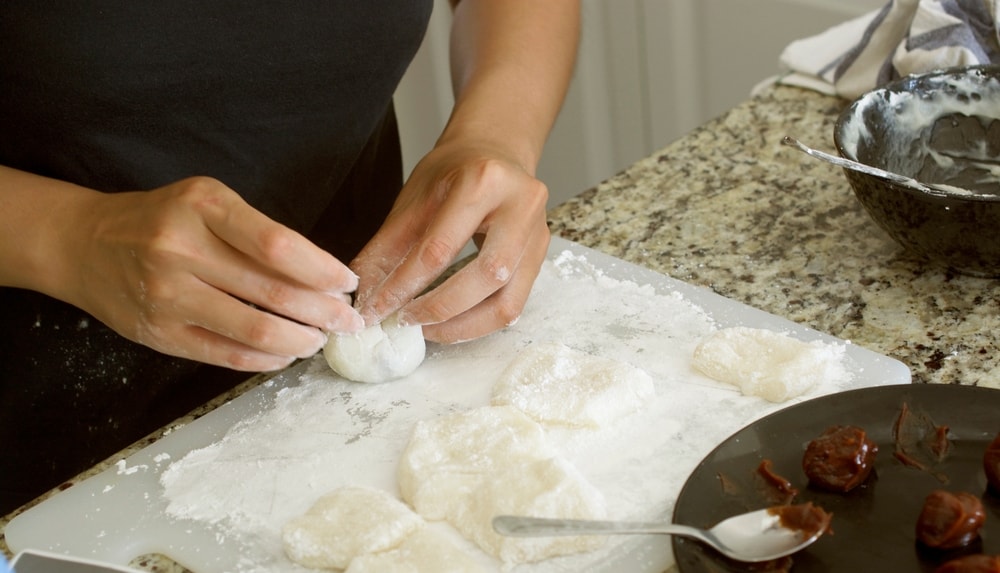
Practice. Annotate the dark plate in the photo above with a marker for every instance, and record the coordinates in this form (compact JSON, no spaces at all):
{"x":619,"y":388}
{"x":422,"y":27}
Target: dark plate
{"x":874,"y":524}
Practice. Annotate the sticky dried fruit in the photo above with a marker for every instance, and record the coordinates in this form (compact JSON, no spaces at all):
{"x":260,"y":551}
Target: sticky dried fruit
{"x":950,"y":520}
{"x":840,"y":459}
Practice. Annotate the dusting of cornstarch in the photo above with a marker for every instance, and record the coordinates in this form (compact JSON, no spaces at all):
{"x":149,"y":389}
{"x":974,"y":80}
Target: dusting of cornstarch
{"x":322,"y":432}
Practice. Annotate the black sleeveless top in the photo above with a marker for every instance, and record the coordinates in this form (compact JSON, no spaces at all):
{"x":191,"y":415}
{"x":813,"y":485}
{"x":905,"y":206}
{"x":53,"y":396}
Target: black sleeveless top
{"x":289,"y":104}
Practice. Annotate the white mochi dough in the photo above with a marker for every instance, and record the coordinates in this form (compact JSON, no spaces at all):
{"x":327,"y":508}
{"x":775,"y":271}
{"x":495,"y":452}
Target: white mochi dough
{"x":555,"y":384}
{"x":379,"y":353}
{"x":447,"y":457}
{"x":768,"y":364}
{"x":545,"y":488}
{"x":424,"y":551}
{"x":470,"y":466}
{"x":346,"y":523}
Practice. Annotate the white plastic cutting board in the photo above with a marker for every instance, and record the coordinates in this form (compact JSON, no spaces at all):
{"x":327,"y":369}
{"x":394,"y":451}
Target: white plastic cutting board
{"x":121,"y":513}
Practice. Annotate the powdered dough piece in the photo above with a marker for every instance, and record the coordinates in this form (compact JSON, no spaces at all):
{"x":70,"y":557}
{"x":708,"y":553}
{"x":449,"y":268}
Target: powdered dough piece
{"x":345,"y":523}
{"x":553,"y":383}
{"x":424,"y":551}
{"x":447,"y":457}
{"x":545,"y":488}
{"x":379,"y":353}
{"x":768,"y":364}
{"x":469,"y":466}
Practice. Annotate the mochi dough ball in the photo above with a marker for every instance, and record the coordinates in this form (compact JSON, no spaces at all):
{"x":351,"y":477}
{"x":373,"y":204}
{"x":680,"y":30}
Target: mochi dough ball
{"x":379,"y":353}
{"x":555,"y":384}
{"x":346,"y":523}
{"x":768,"y":364}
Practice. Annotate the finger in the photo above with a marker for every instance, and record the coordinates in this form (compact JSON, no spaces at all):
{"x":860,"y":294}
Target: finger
{"x":425,"y":262}
{"x":435,"y":249}
{"x":232,"y":319}
{"x":235,"y":274}
{"x":277,"y":247}
{"x":377,"y":259}
{"x":211,"y":348}
{"x":487,"y":273}
{"x":499,"y":310}
{"x":499,"y":256}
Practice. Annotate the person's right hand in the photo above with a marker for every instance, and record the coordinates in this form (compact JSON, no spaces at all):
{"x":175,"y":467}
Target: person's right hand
{"x":174,"y":269}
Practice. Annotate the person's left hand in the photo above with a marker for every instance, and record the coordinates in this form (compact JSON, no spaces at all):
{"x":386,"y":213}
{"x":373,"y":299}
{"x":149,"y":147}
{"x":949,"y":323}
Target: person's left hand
{"x":457,"y":192}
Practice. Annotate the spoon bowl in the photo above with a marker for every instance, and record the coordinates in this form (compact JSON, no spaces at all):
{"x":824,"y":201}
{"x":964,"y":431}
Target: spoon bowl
{"x":761,"y":535}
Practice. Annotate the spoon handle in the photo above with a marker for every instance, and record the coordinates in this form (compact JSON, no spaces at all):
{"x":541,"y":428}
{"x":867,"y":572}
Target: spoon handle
{"x":841,"y":162}
{"x":861,"y":167}
{"x":520,"y":526}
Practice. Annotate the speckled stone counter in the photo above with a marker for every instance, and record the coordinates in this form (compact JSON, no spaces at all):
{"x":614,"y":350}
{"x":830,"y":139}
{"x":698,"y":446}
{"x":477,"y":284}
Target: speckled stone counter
{"x":729,"y":208}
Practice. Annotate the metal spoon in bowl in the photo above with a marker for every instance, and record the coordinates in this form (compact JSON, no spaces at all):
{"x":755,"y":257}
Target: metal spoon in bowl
{"x":868,"y":169}
{"x":760,"y":535}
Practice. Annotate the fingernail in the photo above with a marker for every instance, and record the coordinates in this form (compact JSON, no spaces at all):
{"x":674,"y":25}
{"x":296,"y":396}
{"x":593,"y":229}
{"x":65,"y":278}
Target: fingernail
{"x":282,"y":362}
{"x":353,"y":282}
{"x":342,"y":297}
{"x":350,"y":285}
{"x":356,"y":322}
{"x":319,"y":341}
{"x":352,"y":322}
{"x":323,"y":338}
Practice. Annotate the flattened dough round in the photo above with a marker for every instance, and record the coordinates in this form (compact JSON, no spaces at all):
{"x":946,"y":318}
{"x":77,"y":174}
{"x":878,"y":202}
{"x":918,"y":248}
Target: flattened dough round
{"x":469,"y":466}
{"x":346,"y":523}
{"x":449,"y":456}
{"x":379,"y":353}
{"x":544,"y":488}
{"x":424,"y":551}
{"x":555,"y":384}
{"x":768,"y":364}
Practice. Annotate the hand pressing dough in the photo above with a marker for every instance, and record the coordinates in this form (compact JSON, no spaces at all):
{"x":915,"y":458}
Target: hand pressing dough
{"x":379,"y":353}
{"x":345,"y":523}
{"x":555,"y":384}
{"x":447,"y":457}
{"x":424,"y":551}
{"x":768,"y":364}
{"x":545,"y":488}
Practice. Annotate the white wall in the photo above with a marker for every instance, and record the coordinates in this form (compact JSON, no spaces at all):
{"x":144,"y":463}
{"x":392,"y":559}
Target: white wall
{"x":424,"y":97}
{"x":649,"y":71}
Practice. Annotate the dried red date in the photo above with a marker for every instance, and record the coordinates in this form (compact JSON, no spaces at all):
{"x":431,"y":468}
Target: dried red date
{"x":950,"y":520}
{"x":840,"y":459}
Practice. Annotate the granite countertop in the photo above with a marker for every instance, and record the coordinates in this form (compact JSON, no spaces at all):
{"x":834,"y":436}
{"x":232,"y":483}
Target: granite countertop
{"x":729,"y":208}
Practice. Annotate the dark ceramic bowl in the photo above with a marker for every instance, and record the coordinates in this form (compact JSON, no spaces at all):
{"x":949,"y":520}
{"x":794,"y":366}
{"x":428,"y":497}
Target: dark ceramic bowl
{"x":941,"y":127}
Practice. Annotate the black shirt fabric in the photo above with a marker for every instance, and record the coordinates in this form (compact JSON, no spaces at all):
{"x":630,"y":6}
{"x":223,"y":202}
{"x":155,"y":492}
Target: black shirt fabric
{"x":289,"y":104}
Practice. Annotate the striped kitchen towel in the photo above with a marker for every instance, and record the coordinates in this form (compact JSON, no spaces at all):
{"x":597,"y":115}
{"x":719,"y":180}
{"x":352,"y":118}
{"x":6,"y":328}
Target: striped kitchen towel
{"x":901,"y":38}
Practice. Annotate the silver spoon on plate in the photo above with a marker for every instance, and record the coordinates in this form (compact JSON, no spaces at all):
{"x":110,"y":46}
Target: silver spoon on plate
{"x":756,"y":536}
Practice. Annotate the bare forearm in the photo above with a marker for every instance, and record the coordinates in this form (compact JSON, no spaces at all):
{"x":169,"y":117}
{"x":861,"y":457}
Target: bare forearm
{"x":36,"y":215}
{"x":512,"y":61}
